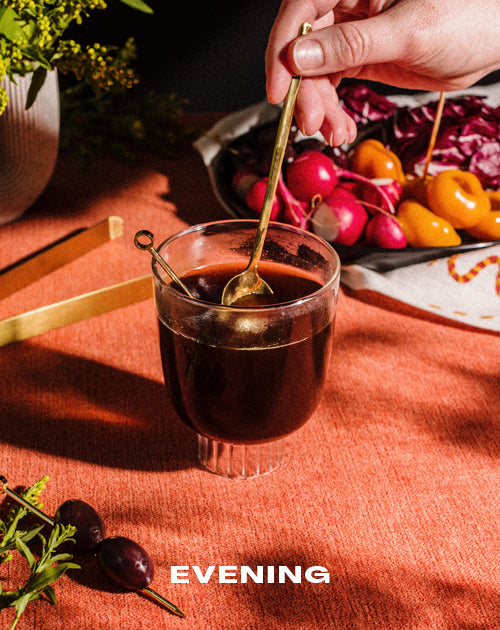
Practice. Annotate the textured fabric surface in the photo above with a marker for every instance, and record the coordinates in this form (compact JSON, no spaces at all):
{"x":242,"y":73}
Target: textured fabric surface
{"x":393,"y":486}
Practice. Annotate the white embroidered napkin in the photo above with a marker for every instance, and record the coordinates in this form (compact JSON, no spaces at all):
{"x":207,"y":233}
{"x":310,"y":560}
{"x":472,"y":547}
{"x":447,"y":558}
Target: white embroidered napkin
{"x":464,"y":287}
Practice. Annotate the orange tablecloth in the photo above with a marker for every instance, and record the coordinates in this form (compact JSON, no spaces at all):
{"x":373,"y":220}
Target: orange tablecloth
{"x":393,"y":487}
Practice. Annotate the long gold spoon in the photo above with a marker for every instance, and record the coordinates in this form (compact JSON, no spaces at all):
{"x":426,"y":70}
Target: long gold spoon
{"x":248,"y":282}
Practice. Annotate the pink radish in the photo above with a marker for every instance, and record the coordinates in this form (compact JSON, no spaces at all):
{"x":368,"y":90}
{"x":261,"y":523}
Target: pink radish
{"x":325,"y":223}
{"x":375,"y":196}
{"x":351,"y":216}
{"x":255,"y":199}
{"x":314,"y":174}
{"x":311,"y":173}
{"x":383,"y":230}
{"x":294,"y":212}
{"x":242,"y":180}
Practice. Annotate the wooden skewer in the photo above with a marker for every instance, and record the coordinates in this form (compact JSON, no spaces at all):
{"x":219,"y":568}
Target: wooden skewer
{"x":434,"y":133}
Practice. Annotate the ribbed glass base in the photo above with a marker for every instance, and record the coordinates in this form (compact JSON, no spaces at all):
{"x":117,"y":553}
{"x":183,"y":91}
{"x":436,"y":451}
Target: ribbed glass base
{"x":240,"y":461}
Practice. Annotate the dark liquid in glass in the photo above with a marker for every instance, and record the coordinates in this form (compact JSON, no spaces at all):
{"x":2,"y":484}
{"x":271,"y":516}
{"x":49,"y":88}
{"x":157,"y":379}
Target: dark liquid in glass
{"x":246,"y":395}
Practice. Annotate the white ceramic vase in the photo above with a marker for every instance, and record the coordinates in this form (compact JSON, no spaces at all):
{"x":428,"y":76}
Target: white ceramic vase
{"x":29,"y":143}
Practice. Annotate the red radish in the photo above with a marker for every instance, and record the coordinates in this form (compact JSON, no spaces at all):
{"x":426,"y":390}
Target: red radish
{"x":376,"y":196}
{"x":242,"y":180}
{"x":347,"y":179}
{"x":383,"y":230}
{"x":352,"y":187}
{"x":294,"y":212}
{"x":351,"y":215}
{"x":255,"y":199}
{"x":325,"y":223}
{"x":311,"y":173}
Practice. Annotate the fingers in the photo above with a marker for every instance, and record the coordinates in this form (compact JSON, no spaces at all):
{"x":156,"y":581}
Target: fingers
{"x":318,"y":109}
{"x":329,"y":49}
{"x":344,"y":46}
{"x":291,"y":15}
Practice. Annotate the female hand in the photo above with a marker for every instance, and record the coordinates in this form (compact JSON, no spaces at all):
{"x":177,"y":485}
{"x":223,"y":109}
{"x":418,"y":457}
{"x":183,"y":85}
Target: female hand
{"x":418,"y":44}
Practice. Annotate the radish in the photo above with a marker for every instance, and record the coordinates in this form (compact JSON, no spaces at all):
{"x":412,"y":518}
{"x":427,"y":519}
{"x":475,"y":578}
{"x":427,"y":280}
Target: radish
{"x":294,"y":212}
{"x":376,"y":196}
{"x":350,"y":214}
{"x":311,"y":173}
{"x":383,"y":230}
{"x":255,"y":199}
{"x":314,"y":174}
{"x":352,"y":187}
{"x":325,"y":223}
{"x":241,"y":181}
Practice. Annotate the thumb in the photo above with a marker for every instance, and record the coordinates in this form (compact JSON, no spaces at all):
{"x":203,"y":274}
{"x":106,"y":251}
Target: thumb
{"x":347,"y":45}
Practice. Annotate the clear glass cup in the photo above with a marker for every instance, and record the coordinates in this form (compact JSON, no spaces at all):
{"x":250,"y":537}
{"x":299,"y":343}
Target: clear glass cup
{"x":245,"y":377}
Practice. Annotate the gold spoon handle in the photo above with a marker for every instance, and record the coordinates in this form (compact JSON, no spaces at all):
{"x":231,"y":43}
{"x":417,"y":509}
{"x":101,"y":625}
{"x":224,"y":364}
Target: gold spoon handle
{"x":284,"y":125}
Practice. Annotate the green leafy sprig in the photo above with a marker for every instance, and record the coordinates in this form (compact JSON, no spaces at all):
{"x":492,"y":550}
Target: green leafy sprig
{"x":32,"y":41}
{"x":10,"y":529}
{"x":45,"y":570}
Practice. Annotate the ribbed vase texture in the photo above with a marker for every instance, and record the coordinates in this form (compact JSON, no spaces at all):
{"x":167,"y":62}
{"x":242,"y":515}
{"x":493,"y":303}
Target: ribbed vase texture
{"x":29,"y":142}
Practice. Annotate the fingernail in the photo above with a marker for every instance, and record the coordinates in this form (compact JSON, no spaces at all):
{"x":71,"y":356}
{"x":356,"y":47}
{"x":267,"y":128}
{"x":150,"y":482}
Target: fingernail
{"x":351,"y":136}
{"x":308,"y":54}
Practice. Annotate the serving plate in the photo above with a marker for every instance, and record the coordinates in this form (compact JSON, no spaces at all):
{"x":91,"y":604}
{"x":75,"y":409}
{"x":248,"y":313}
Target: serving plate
{"x":221,"y":165}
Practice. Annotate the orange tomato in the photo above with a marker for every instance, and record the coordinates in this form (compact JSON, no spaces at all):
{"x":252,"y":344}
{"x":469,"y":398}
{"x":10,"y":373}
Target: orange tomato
{"x":423,"y":228}
{"x":458,"y":197}
{"x":488,"y":229}
{"x":372,"y":159}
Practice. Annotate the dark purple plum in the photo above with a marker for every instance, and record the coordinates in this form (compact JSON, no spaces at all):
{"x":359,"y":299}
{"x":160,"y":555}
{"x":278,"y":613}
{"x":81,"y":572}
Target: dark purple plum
{"x":126,"y":562}
{"x":90,"y":530}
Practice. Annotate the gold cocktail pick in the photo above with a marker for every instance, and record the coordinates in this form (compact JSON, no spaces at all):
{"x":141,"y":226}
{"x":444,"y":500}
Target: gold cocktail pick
{"x":144,"y":240}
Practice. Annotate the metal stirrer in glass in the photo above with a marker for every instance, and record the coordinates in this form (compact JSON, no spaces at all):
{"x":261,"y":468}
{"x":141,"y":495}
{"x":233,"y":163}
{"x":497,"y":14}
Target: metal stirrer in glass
{"x":144,"y":240}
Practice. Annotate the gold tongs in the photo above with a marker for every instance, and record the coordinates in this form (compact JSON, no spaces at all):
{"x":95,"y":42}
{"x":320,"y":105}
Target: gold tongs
{"x":71,"y":310}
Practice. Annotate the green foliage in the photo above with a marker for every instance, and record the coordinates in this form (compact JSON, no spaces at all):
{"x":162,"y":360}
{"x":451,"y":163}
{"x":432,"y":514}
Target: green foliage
{"x":45,"y":570}
{"x":31,"y":40}
{"x":10,"y":529}
{"x":121,"y":125}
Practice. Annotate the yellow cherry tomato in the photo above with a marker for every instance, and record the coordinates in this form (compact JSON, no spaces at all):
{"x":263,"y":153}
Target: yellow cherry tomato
{"x":423,"y":228}
{"x":458,"y":197}
{"x":494,"y":196}
{"x":372,"y":159}
{"x":488,"y":229}
{"x":416,"y":188}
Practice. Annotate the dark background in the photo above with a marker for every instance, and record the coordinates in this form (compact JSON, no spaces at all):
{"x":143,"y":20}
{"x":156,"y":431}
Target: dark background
{"x":211,"y":53}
